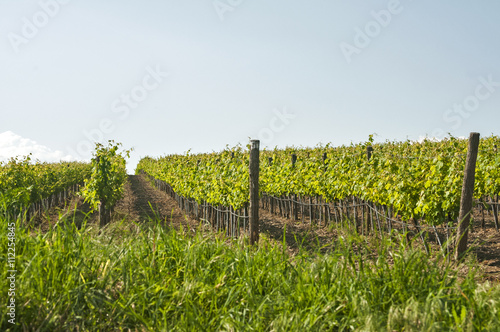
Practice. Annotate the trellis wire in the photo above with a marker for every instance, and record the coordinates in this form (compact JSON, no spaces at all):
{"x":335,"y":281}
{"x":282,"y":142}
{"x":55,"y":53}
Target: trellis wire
{"x":38,"y":207}
{"x":361,"y":215}
{"x":372,"y":217}
{"x":222,"y":218}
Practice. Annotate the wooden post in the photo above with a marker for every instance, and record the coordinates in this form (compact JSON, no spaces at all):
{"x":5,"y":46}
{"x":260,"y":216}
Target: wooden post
{"x":104,"y":214}
{"x":294,"y":159}
{"x":254,"y":192}
{"x":467,"y":195}
{"x":369,"y":151}
{"x":495,"y":212}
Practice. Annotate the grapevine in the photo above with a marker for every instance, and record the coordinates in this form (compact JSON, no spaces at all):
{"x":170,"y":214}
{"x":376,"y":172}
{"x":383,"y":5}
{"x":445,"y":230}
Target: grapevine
{"x":420,"y":180}
{"x":106,"y":184}
{"x":23,"y":182}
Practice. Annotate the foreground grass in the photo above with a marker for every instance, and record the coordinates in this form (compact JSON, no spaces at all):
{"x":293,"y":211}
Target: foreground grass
{"x":131,"y":277}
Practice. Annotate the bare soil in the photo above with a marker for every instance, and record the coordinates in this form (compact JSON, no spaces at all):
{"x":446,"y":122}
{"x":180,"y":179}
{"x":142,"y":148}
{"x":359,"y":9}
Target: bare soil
{"x":485,"y":245}
{"x":142,"y":202}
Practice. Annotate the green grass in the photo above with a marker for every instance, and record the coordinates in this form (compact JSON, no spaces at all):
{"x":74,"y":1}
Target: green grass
{"x":145,"y":277}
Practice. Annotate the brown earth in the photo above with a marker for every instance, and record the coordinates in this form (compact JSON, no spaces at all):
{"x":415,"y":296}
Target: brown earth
{"x":142,"y":202}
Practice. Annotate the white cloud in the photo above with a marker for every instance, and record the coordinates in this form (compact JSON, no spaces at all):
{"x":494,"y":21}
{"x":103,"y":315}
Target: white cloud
{"x":13,"y":145}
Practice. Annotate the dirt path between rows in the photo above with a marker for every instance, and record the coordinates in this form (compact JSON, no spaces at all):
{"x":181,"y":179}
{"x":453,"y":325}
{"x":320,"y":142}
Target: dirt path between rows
{"x":142,"y":202}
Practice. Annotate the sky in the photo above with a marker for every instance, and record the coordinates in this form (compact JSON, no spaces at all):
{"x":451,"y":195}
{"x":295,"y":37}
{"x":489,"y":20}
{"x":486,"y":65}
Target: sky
{"x":164,"y":76}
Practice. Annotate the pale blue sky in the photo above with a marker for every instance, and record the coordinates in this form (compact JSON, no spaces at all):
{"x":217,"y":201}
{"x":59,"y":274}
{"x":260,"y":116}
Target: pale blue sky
{"x":420,"y":68}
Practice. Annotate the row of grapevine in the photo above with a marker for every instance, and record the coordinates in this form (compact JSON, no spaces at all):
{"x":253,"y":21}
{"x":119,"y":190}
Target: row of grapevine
{"x":419,"y":180}
{"x":217,"y":178}
{"x":24,"y":183}
{"x":105,"y":185}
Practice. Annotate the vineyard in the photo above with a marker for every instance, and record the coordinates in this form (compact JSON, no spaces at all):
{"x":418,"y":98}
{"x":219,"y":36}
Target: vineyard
{"x":29,"y":188}
{"x":188,"y":265}
{"x":34,"y":187}
{"x":419,"y":180}
{"x":409,"y":184}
